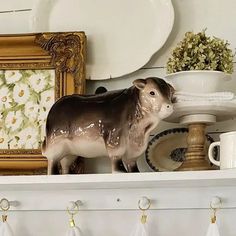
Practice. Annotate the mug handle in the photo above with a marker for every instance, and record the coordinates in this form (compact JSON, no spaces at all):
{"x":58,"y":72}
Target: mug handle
{"x":210,"y":155}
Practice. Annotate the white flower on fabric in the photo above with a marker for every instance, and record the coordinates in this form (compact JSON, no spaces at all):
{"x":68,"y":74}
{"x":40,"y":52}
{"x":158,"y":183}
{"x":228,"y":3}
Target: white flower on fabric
{"x":37,"y":82}
{"x":47,"y":98}
{"x":13,"y":120}
{"x":3,"y":140}
{"x":28,"y":138}
{"x":21,"y":93}
{"x":31,"y":110}
{"x":12,"y":76}
{"x":14,"y":144}
{"x":5,"y":98}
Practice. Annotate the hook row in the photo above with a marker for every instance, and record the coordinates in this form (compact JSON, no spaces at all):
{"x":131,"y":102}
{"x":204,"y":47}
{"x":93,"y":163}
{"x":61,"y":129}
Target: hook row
{"x":144,"y":203}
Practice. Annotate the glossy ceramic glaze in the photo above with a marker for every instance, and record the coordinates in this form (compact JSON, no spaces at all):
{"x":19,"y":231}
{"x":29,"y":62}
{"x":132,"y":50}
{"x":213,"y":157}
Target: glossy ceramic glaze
{"x":198,"y":81}
{"x":227,"y":145}
{"x":116,"y":124}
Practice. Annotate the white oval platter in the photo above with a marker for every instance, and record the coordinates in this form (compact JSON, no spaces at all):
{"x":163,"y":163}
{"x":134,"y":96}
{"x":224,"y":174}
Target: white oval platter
{"x":122,"y":34}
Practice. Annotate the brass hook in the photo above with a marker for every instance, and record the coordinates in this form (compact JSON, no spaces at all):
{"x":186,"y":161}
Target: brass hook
{"x":73,"y":212}
{"x":144,"y":201}
{"x":5,"y":206}
{"x":217,"y":202}
{"x":213,"y":217}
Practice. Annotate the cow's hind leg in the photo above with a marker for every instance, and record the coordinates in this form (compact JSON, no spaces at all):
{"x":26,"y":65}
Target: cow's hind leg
{"x":54,"y":154}
{"x":52,"y":166}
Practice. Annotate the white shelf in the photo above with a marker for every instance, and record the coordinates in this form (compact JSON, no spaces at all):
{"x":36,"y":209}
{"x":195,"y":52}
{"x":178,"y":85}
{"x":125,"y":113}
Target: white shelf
{"x":167,"y":190}
{"x":120,"y":181}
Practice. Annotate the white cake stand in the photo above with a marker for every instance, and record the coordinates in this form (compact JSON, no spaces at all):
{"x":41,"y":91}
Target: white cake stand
{"x":197,"y":115}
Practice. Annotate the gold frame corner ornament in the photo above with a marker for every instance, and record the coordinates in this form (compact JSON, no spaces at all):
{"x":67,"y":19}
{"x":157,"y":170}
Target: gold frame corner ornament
{"x":65,"y":52}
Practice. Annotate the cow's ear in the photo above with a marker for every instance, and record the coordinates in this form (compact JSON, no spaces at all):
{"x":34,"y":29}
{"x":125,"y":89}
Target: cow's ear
{"x":172,"y":90}
{"x":139,"y":83}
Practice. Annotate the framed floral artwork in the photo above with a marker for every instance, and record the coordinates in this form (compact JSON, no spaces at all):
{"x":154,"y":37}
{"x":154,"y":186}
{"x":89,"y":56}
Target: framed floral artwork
{"x":35,"y":70}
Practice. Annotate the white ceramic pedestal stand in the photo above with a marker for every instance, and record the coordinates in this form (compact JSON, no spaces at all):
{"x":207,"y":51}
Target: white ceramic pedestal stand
{"x":197,"y":115}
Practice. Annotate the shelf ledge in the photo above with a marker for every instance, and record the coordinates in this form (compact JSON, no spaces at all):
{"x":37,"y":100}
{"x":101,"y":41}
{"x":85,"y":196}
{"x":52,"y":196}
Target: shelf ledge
{"x":124,"y":180}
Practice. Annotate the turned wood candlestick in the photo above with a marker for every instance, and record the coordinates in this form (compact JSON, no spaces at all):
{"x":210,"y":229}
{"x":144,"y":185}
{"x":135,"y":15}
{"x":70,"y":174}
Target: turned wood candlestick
{"x":195,"y":156}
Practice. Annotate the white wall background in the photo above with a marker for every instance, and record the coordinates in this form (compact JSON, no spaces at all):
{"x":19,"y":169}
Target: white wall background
{"x":219,"y":18}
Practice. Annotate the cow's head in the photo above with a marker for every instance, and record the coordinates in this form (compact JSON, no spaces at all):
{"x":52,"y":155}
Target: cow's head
{"x":155,"y":96}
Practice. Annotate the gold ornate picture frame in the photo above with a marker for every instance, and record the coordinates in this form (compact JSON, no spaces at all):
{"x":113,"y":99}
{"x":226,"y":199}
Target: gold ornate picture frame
{"x":35,"y":70}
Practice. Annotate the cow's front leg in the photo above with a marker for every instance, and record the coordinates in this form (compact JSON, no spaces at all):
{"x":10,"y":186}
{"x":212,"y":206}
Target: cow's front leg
{"x":116,"y":161}
{"x":115,"y":150}
{"x":116,"y":164}
{"x":131,"y":165}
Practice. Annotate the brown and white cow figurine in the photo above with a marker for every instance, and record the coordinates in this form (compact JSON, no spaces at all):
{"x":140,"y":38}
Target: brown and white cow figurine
{"x":116,"y":124}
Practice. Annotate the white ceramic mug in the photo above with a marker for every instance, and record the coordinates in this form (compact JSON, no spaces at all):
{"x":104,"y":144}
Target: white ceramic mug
{"x":227,"y":145}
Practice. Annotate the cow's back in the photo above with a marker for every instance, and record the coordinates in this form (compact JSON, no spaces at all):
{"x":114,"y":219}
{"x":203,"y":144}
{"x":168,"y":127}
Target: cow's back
{"x":74,"y":111}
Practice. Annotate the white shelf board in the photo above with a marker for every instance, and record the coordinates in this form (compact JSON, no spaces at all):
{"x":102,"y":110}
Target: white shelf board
{"x":167,"y":190}
{"x":121,"y":181}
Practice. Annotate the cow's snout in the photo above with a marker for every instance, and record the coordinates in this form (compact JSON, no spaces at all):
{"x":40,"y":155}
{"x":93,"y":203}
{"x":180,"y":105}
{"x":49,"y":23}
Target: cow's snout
{"x":166,"y":110}
{"x":169,"y":108}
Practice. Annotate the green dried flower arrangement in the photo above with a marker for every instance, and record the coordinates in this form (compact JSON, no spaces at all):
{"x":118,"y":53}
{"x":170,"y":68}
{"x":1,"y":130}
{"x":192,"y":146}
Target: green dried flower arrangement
{"x":201,"y":52}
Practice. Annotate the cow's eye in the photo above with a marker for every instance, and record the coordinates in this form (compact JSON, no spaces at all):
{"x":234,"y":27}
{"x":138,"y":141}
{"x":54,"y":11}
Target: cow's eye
{"x":152,"y":93}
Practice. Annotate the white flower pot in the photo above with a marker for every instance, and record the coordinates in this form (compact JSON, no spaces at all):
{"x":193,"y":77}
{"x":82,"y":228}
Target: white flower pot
{"x":198,"y":81}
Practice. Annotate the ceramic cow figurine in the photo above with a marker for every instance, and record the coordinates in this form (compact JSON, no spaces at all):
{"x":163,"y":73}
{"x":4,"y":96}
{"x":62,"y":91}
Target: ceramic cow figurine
{"x":115,"y":124}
